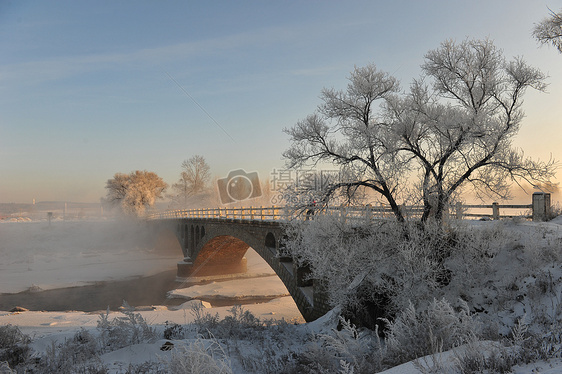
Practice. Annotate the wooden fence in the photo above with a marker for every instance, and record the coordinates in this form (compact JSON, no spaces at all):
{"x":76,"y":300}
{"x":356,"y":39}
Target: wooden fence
{"x":496,"y":211}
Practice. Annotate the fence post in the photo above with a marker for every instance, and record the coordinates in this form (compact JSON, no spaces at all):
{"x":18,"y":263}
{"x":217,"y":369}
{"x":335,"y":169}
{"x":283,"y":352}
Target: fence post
{"x":541,"y":206}
{"x":495,"y":211}
{"x":458,"y":210}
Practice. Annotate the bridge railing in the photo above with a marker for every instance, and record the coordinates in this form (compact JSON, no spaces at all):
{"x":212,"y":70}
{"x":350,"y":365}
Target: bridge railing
{"x":539,"y":210}
{"x":272,"y":213}
{"x":284,"y":213}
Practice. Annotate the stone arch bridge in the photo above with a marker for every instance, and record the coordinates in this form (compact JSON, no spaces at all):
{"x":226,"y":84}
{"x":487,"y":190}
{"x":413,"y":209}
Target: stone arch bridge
{"x":215,"y":241}
{"x":216,"y":244}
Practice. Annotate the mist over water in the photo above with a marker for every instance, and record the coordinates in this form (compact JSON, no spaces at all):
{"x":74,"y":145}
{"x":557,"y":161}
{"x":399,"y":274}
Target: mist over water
{"x":37,"y":256}
{"x":92,"y":265}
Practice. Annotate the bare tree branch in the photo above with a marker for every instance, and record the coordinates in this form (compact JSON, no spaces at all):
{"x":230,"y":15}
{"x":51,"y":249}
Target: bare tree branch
{"x":549,"y":30}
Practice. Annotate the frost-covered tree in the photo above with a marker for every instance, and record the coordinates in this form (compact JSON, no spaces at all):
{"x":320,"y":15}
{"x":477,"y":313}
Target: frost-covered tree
{"x":134,"y":192}
{"x":453,"y":128}
{"x":193,"y":182}
{"x":549,"y":30}
{"x":348,"y":131}
{"x":459,"y":127}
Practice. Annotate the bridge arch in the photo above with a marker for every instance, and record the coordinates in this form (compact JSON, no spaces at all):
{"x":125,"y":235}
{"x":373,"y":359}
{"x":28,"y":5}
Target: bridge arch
{"x":212,"y":246}
{"x":222,"y":254}
{"x":270,"y":241}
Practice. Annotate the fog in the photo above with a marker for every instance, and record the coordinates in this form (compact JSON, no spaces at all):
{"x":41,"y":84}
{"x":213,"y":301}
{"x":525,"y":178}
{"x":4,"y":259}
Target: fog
{"x":41,"y":255}
{"x":96,"y":263}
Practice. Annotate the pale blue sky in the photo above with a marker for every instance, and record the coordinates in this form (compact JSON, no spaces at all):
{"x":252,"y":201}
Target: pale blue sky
{"x":85,"y":90}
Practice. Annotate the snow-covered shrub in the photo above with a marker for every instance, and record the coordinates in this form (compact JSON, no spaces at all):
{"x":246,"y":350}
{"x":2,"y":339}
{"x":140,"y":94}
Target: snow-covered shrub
{"x":375,"y":269}
{"x":5,"y":368}
{"x":265,"y":347}
{"x":262,"y":358}
{"x":344,"y":258}
{"x":484,"y":357}
{"x":346,"y":350}
{"x":203,"y":320}
{"x":14,"y":346}
{"x":125,"y":330}
{"x":530,"y":346}
{"x":545,"y":346}
{"x":417,"y":333}
{"x":254,"y":345}
{"x":148,"y":367}
{"x":241,"y":324}
{"x":201,"y":356}
{"x":78,"y":354}
{"x":173,"y":331}
{"x":522,"y":347}
{"x":11,"y":335}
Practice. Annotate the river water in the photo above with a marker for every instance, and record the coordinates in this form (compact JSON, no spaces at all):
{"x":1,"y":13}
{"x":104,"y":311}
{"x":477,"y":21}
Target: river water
{"x":71,"y":252}
{"x":139,"y":292}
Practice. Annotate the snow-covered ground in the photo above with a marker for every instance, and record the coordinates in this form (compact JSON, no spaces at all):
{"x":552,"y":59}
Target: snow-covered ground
{"x":34,"y":255}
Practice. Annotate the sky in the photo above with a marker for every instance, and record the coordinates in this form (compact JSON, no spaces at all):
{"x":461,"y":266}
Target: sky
{"x":89,"y":89}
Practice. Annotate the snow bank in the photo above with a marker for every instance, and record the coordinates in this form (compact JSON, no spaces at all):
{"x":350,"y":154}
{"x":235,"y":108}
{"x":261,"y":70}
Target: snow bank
{"x":258,"y":287}
{"x":46,"y":323}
